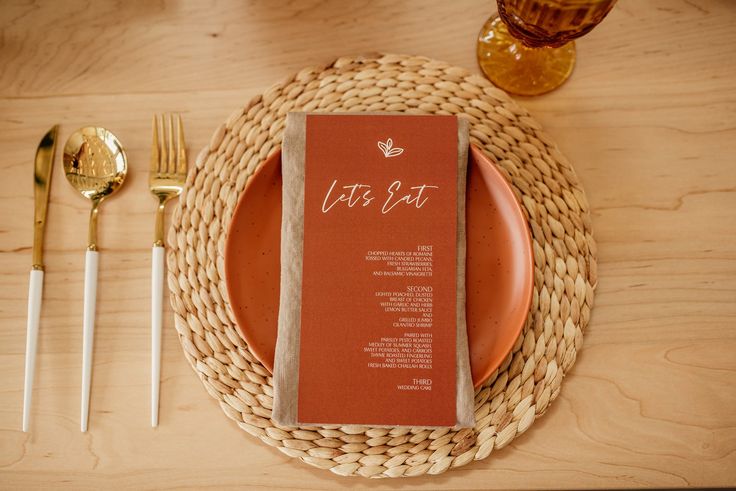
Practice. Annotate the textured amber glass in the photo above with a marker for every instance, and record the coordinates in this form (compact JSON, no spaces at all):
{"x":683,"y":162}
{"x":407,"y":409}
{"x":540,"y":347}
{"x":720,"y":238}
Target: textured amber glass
{"x":527,"y":48}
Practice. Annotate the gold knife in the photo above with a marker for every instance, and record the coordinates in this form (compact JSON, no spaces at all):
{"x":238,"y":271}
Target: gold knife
{"x":41,"y":185}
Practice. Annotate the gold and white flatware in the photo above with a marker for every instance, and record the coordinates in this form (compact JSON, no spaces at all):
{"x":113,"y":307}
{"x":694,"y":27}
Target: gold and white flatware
{"x":43,"y":165}
{"x":96,"y":165}
{"x":166,"y":179}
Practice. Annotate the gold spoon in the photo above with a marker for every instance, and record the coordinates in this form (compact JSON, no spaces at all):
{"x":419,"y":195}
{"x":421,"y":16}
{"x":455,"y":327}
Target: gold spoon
{"x":95,"y":164}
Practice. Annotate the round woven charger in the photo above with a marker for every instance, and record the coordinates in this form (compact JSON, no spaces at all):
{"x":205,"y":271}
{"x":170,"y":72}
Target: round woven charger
{"x":518,"y":392}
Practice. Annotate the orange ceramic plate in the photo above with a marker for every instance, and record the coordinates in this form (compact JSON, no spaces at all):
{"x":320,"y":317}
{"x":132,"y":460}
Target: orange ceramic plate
{"x":499,"y":268}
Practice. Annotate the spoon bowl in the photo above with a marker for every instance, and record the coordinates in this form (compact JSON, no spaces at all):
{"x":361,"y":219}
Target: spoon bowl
{"x":94,"y":162}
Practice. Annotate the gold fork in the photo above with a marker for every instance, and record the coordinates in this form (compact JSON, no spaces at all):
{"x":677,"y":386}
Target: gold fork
{"x":166,"y":180}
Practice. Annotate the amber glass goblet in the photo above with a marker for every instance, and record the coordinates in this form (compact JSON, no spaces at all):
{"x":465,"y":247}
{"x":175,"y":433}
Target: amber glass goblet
{"x":528,"y":48}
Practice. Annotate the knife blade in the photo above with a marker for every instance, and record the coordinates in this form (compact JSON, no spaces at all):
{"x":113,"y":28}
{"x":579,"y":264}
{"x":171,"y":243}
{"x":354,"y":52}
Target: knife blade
{"x":41,"y":187}
{"x":43,"y":165}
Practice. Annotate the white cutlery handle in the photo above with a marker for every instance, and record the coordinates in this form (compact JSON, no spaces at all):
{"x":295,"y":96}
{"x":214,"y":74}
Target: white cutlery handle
{"x":157,"y":292}
{"x":35,"y":290}
{"x":88,"y":333}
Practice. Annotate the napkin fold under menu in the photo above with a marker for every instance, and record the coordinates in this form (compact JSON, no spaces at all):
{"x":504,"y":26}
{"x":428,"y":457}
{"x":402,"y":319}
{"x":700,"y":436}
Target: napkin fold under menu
{"x":371,"y":327}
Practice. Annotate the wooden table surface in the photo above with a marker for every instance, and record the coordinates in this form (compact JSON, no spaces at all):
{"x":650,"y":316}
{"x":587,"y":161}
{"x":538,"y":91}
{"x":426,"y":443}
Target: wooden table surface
{"x":648,"y":119}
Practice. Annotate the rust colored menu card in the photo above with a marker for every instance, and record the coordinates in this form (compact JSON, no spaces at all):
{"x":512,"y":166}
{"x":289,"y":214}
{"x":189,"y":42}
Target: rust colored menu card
{"x":377,"y":308}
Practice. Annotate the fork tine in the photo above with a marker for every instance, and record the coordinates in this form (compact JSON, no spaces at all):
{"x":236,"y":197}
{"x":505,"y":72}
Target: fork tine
{"x":163,"y":157}
{"x":171,"y":167}
{"x":154,"y":148}
{"x":181,"y":148}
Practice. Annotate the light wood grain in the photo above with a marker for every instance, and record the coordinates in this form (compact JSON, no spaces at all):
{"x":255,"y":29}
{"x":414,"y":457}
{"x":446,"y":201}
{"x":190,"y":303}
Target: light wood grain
{"x":648,"y":119}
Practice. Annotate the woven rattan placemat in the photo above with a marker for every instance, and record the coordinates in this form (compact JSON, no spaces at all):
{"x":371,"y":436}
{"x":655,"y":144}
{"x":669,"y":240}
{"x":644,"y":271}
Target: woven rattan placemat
{"x":527,"y":382}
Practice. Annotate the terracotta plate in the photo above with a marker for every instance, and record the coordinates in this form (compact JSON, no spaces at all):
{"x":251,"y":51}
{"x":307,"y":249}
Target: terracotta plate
{"x":499,"y":264}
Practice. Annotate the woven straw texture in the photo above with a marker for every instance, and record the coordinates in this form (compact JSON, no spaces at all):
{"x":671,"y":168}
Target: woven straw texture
{"x":520,"y":390}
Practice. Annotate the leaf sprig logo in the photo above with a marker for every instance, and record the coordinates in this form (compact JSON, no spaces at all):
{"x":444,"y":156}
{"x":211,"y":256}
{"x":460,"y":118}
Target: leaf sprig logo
{"x":389,"y":150}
